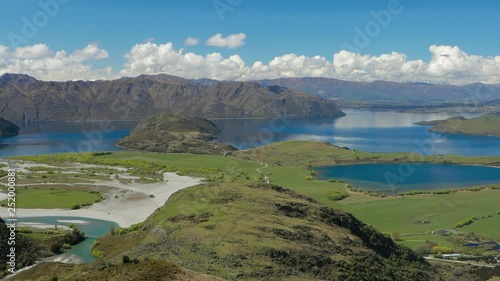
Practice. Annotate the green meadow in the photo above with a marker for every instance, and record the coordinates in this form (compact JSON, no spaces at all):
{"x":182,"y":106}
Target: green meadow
{"x":414,"y":217}
{"x":55,"y":198}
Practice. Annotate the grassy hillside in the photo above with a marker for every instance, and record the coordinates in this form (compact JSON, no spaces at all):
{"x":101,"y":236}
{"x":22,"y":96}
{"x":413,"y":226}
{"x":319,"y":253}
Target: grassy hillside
{"x":208,"y":215}
{"x":257,"y":232}
{"x":143,"y":270}
{"x":300,"y":153}
{"x":488,"y":124}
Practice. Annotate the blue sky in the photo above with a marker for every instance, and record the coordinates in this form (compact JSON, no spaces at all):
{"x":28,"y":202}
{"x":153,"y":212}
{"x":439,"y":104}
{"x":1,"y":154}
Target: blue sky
{"x":271,"y":28}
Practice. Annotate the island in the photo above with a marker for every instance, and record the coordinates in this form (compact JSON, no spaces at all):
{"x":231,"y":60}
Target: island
{"x":487,"y":125}
{"x":171,"y":133}
{"x":8,"y":129}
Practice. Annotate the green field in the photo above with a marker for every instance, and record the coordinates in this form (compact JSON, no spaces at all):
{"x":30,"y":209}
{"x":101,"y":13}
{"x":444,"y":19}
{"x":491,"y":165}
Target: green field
{"x":50,"y":199}
{"x":484,"y":125}
{"x":488,"y":227}
{"x":403,"y":214}
{"x":289,"y":164}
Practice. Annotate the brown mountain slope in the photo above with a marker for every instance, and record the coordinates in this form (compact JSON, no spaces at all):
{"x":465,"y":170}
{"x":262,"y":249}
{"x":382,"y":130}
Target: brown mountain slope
{"x":7,"y":128}
{"x":23,"y":98}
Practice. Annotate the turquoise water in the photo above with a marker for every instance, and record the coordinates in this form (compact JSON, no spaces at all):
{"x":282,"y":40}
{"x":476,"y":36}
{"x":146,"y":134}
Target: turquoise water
{"x":407,"y":177}
{"x":93,"y":229}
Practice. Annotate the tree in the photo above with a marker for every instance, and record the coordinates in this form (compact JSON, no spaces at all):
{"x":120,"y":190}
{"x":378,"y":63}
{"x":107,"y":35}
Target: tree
{"x":395,"y":236}
{"x":56,"y":248}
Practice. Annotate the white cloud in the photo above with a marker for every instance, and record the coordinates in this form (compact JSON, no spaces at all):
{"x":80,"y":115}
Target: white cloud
{"x":232,"y":41}
{"x":151,"y":58}
{"x":448,"y":64}
{"x":42,"y":63}
{"x":32,"y":52}
{"x":191,"y":41}
{"x":91,"y":52}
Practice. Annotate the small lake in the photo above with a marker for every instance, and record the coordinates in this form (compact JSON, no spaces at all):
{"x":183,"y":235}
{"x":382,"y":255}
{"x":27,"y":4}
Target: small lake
{"x":93,"y":229}
{"x":407,"y":177}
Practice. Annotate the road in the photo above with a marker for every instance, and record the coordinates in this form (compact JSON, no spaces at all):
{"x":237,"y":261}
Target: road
{"x":462,"y":262}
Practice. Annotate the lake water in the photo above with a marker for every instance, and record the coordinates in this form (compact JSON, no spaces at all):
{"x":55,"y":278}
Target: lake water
{"x":377,"y":131}
{"x":407,"y":177}
{"x":60,"y":137}
{"x":93,"y":229}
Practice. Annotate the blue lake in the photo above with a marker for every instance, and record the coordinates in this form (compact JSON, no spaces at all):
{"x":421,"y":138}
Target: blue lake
{"x":407,"y":177}
{"x":61,"y":137}
{"x":377,"y":131}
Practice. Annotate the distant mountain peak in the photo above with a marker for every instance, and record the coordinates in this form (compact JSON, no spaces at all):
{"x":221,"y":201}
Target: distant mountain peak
{"x":17,"y":78}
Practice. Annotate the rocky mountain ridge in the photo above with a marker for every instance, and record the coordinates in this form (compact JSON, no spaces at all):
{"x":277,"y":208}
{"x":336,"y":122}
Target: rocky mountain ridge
{"x":25,"y":99}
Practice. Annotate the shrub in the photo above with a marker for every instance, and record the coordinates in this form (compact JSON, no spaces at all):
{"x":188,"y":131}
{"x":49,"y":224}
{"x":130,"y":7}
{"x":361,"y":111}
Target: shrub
{"x":126,"y":259}
{"x":134,"y":227}
{"x":97,"y":254}
{"x":395,"y":236}
{"x":425,"y":248}
{"x":442,"y":250}
{"x":56,"y":248}
{"x":336,"y":195}
{"x":95,"y":244}
{"x":75,"y":207}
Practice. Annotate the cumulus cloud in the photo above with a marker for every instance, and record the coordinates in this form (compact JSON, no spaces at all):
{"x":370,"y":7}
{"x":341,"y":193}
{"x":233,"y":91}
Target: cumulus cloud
{"x":191,"y":41}
{"x":32,"y":52}
{"x":151,"y":58}
{"x":42,"y":63}
{"x":448,"y":64}
{"x":232,"y":41}
{"x":91,"y":52}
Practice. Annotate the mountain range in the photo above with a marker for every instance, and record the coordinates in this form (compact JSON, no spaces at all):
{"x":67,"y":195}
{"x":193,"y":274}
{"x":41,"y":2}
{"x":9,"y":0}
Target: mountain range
{"x":390,"y":91}
{"x":330,"y":88}
{"x":24,"y":99}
